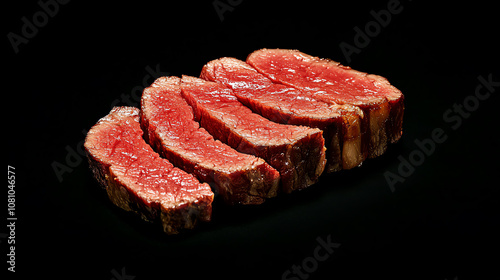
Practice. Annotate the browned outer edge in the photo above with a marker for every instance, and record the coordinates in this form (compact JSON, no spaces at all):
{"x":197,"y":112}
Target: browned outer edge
{"x":173,"y":220}
{"x":384,"y":119}
{"x":352,"y":138}
{"x":309,"y":151}
{"x":345,"y":128}
{"x":374,"y":128}
{"x":332,"y":133}
{"x":377,"y":131}
{"x":239,"y":187}
{"x":395,"y":123}
{"x":186,"y":216}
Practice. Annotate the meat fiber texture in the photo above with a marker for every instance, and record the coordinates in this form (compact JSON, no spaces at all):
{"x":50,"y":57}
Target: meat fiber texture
{"x":171,"y":129}
{"x":297,"y":152}
{"x":137,"y":179}
{"x":341,"y":124}
{"x":329,"y":81}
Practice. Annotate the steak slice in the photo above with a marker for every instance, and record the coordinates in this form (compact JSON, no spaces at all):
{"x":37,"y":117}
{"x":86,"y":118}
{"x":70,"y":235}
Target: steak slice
{"x":297,"y":152}
{"x":171,"y":129}
{"x":285,"y":104}
{"x":137,"y":179}
{"x":329,"y":81}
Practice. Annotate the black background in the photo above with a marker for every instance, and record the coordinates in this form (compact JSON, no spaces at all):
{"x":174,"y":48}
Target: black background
{"x":440,"y":223}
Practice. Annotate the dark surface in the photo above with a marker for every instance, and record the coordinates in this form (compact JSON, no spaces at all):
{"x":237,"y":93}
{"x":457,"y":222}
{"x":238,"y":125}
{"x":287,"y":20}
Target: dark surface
{"x":440,"y":223}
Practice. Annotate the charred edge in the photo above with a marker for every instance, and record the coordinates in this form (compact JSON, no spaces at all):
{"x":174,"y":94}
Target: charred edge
{"x":312,"y":158}
{"x":248,"y":186}
{"x":186,"y":216}
{"x":99,"y":170}
{"x":255,"y":189}
{"x":226,"y":185}
{"x":118,"y":193}
{"x":354,"y":149}
{"x":331,"y":132}
{"x":126,"y":199}
{"x":173,"y":220}
{"x":374,"y":128}
{"x":301,"y":163}
{"x":334,"y":145}
{"x":395,"y":122}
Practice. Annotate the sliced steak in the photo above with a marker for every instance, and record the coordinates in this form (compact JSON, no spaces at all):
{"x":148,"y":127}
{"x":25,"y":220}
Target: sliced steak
{"x":285,"y":104}
{"x":329,"y":81}
{"x":137,"y":179}
{"x":172,"y":130}
{"x":297,"y":152}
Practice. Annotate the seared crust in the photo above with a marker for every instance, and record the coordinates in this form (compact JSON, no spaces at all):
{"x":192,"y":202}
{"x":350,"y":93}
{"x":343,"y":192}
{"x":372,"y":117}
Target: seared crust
{"x":170,"y":128}
{"x":381,"y":103}
{"x":177,"y":199}
{"x":297,"y":152}
{"x":341,"y":124}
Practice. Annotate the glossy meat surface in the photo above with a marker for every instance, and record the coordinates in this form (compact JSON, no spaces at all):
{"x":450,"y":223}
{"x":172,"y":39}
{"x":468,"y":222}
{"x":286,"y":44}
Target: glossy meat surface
{"x":330,"y":82}
{"x":138,"y":179}
{"x":285,"y":104}
{"x":171,"y":129}
{"x":329,"y":79}
{"x":297,"y":152}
